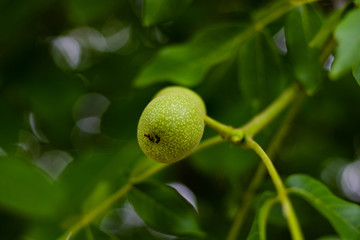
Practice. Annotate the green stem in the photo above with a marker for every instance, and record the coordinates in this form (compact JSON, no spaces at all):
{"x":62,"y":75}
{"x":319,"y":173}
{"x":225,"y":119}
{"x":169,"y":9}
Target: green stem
{"x":261,"y":170}
{"x":281,"y":9}
{"x":288,"y":210}
{"x":270,"y":167}
{"x":226,"y":132}
{"x":264,"y":212}
{"x":254,"y":126}
{"x":275,"y":143}
{"x":268,"y":18}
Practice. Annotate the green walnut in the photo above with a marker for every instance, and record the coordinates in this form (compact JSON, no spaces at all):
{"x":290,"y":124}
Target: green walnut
{"x":185,"y":92}
{"x":170,"y":127}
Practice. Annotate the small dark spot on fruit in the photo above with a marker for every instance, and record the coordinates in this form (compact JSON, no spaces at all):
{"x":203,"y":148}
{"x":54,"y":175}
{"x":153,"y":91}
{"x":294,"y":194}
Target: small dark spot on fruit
{"x":149,"y":137}
{"x":155,"y":139}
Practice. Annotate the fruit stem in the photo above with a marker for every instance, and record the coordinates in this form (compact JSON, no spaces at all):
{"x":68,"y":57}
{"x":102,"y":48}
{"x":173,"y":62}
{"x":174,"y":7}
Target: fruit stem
{"x":226,"y":132}
{"x":255,"y":125}
{"x":287,"y":207}
{"x":243,"y":136}
{"x":260,"y":172}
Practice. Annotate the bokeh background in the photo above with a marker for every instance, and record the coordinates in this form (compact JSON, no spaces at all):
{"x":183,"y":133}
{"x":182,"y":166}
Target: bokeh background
{"x":69,"y":111}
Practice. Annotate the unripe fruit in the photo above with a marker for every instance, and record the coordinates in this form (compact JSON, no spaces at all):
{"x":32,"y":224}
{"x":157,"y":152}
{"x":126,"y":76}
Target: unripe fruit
{"x":185,"y":92}
{"x":170,"y":127}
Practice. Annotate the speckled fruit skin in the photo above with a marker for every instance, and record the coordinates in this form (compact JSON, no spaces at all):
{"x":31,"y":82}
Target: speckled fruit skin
{"x":170,"y":127}
{"x":185,"y":92}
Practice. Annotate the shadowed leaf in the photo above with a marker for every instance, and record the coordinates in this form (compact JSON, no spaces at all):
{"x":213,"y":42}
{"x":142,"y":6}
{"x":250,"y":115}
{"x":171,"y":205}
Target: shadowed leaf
{"x":163,"y":209}
{"x":24,"y":189}
{"x":186,"y":64}
{"x":261,"y":73}
{"x":301,"y":25}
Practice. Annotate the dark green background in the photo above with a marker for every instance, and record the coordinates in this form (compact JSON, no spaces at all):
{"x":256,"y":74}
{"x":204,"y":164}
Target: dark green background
{"x":31,"y":83}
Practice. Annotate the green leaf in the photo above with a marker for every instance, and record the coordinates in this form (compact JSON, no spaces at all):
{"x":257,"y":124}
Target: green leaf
{"x":164,"y":209}
{"x":343,"y":216}
{"x":25,"y":190}
{"x":158,"y":11}
{"x":356,"y":73}
{"x":347,"y":34}
{"x":261,"y":73}
{"x":186,"y":64}
{"x":258,"y":228}
{"x":301,"y":25}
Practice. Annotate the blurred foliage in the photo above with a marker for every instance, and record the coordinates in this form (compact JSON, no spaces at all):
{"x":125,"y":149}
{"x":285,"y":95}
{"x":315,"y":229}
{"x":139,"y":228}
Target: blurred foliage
{"x":301,"y":27}
{"x":348,"y":37}
{"x":164,"y":209}
{"x":75,"y":76}
{"x":262,"y":75}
